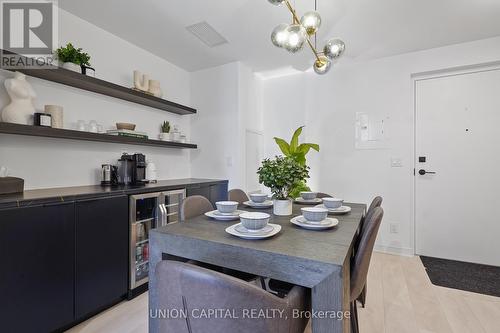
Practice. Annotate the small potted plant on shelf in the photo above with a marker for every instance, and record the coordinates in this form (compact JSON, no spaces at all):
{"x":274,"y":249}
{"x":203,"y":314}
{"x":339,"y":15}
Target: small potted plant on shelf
{"x":73,"y":59}
{"x":280,"y":175}
{"x":165,"y":131}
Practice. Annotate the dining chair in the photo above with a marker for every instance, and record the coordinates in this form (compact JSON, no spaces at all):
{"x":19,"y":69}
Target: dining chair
{"x":238,"y":195}
{"x":195,"y":205}
{"x":359,"y":265}
{"x":324,"y":195}
{"x":376,"y":202}
{"x":189,"y":290}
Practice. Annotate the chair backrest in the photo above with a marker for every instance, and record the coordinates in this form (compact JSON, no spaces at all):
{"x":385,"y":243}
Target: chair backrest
{"x":376,"y":202}
{"x":324,"y":195}
{"x":194,"y":206}
{"x":238,"y":195}
{"x":192,"y":289}
{"x":363,"y":255}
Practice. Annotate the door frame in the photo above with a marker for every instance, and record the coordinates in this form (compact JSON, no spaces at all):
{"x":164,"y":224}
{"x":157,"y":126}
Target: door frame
{"x":429,"y":75}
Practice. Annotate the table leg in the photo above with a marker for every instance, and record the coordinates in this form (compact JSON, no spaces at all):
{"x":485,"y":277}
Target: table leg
{"x":155,"y":256}
{"x":330,"y":296}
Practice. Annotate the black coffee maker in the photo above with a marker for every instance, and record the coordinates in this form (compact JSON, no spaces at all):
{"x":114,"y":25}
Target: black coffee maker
{"x":132,"y":169}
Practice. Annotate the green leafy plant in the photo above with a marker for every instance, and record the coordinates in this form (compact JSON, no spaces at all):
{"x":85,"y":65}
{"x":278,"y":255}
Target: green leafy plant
{"x":165,"y":127}
{"x":71,"y":54}
{"x":298,"y":152}
{"x":281,"y":174}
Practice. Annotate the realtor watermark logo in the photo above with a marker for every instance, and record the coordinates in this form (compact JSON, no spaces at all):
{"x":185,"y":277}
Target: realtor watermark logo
{"x":29,"y":33}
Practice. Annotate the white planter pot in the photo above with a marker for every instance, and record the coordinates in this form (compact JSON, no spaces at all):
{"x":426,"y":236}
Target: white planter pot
{"x":282,"y":207}
{"x":72,"y":67}
{"x":164,"y":136}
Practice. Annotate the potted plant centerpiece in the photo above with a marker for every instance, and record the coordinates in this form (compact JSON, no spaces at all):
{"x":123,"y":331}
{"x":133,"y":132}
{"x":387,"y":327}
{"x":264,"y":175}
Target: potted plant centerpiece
{"x":165,"y":131}
{"x":73,"y":59}
{"x":280,"y":175}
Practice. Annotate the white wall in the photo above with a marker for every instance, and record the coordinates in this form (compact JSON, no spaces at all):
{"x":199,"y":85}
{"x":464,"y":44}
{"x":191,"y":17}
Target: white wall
{"x":383,"y":89}
{"x":52,"y":163}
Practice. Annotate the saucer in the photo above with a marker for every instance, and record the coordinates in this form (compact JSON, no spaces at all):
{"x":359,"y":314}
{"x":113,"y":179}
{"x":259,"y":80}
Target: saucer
{"x":215,"y":214}
{"x":325,"y":224}
{"x":239,"y":231}
{"x":316,"y":201}
{"x":336,"y":211}
{"x":265,"y":204}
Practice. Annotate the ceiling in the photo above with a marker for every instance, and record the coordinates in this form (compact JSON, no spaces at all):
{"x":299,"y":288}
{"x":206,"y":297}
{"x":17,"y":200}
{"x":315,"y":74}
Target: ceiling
{"x":370,"y":28}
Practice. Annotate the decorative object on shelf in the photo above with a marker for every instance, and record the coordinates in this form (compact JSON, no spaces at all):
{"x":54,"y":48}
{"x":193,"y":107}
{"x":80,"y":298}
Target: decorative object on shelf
{"x":128,"y":133}
{"x":56,"y":112}
{"x":183,"y":138}
{"x":10,"y":185}
{"x":87,"y":70}
{"x":292,"y":37}
{"x":298,"y":153}
{"x":93,"y":126}
{"x":151,"y":174}
{"x":154,"y":88}
{"x":141,"y":81}
{"x":42,"y":119}
{"x":81,"y":125}
{"x":175,"y":135}
{"x":280,"y":175}
{"x":125,"y":126}
{"x":21,"y":108}
{"x":165,"y":131}
{"x":73,"y":59}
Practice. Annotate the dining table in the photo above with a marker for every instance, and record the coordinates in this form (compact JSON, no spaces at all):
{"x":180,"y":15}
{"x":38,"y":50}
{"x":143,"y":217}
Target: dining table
{"x":319,"y":260}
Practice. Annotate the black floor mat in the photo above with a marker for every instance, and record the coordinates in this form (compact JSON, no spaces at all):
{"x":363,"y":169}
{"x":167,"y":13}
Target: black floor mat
{"x":477,"y":278}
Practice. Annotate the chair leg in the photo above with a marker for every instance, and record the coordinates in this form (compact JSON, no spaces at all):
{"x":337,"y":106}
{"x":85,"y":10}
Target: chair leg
{"x":362,"y":297}
{"x":354,"y":317}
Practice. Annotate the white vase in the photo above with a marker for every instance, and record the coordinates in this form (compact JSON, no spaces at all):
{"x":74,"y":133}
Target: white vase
{"x":164,"y":136}
{"x":56,"y":112}
{"x":72,"y":67}
{"x":21,"y":108}
{"x":154,"y":88}
{"x":282,"y":207}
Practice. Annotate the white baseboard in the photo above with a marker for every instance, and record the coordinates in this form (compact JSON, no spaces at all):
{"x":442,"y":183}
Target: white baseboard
{"x":407,"y":252}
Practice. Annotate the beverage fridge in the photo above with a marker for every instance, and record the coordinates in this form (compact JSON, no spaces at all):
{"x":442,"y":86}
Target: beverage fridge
{"x":148,"y":211}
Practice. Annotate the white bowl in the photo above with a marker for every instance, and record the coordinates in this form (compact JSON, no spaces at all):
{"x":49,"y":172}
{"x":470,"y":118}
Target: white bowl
{"x":226,"y":207}
{"x":254,"y":220}
{"x":258,"y":197}
{"x":314,"y":214}
{"x":308,"y":195}
{"x":333,"y":203}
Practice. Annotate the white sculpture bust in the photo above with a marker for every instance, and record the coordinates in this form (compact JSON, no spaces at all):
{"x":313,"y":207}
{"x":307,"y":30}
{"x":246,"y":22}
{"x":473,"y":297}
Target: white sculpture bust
{"x":21,"y":108}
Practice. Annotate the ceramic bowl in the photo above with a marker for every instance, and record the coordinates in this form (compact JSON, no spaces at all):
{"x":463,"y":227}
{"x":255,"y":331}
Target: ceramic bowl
{"x":226,"y":207}
{"x":258,"y":197}
{"x":308,"y":195}
{"x":254,"y":220}
{"x":314,"y":214}
{"x":333,"y":203}
{"x":125,"y":126}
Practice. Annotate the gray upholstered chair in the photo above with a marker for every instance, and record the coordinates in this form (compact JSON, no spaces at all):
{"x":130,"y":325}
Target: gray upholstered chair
{"x":361,"y":261}
{"x":376,"y":202}
{"x":324,"y":195}
{"x":238,"y":195}
{"x":195,"y":205}
{"x":192,"y":289}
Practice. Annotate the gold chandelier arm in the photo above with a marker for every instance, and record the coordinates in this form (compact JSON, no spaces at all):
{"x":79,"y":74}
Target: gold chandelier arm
{"x":296,"y":20}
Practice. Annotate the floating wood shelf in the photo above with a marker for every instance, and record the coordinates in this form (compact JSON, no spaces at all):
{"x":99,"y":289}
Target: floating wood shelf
{"x":16,"y":129}
{"x":84,"y":82}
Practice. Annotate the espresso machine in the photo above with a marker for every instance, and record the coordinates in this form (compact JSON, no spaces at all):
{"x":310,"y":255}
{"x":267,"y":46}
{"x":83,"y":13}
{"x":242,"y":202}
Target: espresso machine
{"x":132,"y":169}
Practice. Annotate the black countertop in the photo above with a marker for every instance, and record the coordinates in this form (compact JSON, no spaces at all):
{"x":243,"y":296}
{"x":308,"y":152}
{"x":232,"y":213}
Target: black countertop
{"x":65,"y":194}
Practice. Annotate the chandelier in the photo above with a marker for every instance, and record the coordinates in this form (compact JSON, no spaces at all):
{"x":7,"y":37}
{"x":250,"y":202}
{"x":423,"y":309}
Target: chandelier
{"x":292,"y":37}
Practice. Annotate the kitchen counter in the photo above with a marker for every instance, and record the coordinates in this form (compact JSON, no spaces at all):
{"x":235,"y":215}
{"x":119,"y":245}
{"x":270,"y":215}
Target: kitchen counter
{"x":65,"y":194}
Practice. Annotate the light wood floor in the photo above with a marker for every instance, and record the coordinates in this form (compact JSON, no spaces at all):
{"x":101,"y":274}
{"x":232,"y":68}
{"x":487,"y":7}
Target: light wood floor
{"x":401,"y":299}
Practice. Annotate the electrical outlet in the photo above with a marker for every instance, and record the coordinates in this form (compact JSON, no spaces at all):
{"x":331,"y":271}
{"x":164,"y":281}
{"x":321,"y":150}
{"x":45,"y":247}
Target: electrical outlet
{"x":394,"y":228}
{"x":396,"y":162}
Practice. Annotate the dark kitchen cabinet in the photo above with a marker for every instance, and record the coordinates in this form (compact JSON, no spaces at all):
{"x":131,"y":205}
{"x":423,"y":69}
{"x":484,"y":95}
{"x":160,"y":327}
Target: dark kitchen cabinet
{"x":213,"y":192}
{"x":37,"y":270}
{"x":101,"y":277}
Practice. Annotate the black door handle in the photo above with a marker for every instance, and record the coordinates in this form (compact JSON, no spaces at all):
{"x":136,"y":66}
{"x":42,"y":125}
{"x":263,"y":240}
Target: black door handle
{"x":423,"y":172}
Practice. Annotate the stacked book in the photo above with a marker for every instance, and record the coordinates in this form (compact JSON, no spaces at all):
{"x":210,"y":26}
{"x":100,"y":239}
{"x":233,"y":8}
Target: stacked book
{"x":129,"y":133}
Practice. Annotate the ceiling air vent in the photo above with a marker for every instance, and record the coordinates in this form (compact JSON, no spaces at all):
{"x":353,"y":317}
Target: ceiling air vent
{"x":207,"y":34}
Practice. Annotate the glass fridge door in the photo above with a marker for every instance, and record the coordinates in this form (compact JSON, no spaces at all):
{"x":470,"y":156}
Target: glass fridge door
{"x":172,"y":205}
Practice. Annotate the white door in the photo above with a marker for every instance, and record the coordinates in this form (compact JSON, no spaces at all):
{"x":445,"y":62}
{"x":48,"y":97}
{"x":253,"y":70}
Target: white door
{"x":458,"y":133}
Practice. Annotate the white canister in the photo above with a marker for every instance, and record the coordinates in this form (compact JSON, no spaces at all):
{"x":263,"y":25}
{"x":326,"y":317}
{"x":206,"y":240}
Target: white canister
{"x":72,"y":67}
{"x":282,"y":207}
{"x":56,"y":111}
